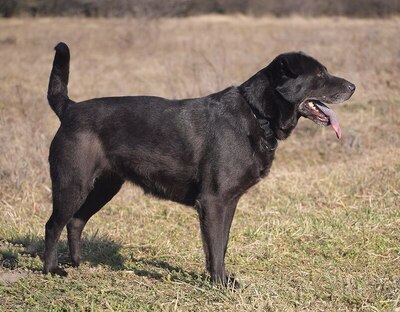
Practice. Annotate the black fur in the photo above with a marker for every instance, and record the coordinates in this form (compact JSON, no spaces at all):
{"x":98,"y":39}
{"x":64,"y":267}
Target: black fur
{"x":204,"y":152}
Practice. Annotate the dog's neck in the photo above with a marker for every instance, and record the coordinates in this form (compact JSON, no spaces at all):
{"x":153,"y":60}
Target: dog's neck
{"x":268,"y":106}
{"x":271,"y":142}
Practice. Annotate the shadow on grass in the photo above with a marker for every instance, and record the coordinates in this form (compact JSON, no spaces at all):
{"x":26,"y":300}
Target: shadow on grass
{"x":96,"y":251}
{"x":173,"y":273}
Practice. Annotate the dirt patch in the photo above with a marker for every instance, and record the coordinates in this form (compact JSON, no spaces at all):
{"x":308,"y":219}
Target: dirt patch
{"x":10,"y":277}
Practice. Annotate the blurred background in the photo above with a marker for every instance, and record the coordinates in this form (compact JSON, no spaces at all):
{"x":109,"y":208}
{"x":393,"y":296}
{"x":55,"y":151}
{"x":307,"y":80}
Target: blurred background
{"x":183,"y":8}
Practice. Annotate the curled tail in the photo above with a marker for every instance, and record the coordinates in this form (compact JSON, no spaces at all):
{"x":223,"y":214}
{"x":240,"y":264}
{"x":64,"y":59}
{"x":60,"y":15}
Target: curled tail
{"x":57,"y":93}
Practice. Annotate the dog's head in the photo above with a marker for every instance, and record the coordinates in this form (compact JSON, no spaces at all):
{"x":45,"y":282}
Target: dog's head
{"x":306,"y":86}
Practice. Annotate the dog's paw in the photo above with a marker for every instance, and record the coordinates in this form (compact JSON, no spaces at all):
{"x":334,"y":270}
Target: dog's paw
{"x":227,"y":281}
{"x":232,"y":283}
{"x":76,"y":262}
{"x":56,"y":271}
{"x":59,"y":271}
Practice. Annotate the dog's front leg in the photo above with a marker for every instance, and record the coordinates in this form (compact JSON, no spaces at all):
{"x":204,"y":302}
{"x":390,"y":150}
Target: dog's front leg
{"x":215,"y":221}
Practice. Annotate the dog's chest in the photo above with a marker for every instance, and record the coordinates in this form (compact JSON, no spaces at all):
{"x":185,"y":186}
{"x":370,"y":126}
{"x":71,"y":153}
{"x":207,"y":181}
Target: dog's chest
{"x":265,"y":163}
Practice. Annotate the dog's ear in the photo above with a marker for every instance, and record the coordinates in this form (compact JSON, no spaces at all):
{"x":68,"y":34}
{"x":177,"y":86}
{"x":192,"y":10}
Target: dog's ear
{"x":288,"y":69}
{"x":289,"y":65}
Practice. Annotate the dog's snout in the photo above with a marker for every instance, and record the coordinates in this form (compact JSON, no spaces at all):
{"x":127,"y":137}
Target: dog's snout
{"x":351,"y":86}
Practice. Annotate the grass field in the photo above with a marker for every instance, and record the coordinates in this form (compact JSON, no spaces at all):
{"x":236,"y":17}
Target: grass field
{"x":321,"y":233}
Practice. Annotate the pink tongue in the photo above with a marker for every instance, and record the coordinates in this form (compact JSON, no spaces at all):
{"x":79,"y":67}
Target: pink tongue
{"x":332,"y":118}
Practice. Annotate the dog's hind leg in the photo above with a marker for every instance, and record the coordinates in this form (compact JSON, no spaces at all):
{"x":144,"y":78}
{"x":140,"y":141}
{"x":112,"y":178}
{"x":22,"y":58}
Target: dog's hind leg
{"x":67,"y":198}
{"x":105,"y":188}
{"x":73,"y":168}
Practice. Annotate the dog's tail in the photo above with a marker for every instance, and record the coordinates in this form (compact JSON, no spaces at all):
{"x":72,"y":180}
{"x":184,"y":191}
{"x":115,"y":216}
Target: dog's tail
{"x":57,"y":93}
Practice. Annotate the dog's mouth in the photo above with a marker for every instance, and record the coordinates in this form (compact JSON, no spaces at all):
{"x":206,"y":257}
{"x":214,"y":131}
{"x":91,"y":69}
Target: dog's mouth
{"x":321,"y":114}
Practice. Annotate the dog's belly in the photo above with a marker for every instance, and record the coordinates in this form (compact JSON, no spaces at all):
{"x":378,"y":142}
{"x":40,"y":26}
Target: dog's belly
{"x":167,"y":178}
{"x":167,"y":187}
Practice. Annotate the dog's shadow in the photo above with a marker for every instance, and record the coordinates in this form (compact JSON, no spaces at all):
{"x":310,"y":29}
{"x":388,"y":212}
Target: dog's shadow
{"x":96,"y":251}
{"x":173,"y":273}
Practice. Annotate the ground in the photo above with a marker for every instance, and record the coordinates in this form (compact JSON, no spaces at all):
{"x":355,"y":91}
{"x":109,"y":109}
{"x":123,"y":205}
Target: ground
{"x":321,"y":233}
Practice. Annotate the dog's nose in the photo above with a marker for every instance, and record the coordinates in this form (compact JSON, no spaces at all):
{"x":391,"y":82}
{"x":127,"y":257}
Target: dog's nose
{"x":351,"y":86}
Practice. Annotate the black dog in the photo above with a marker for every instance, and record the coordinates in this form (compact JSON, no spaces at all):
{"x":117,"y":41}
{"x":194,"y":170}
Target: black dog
{"x":203,"y":152}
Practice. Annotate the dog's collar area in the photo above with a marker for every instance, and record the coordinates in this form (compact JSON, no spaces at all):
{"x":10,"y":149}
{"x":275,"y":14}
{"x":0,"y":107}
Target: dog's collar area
{"x":271,"y":143}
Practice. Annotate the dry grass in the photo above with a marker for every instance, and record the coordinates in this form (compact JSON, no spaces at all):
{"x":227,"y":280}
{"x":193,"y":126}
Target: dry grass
{"x":321,"y":233}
